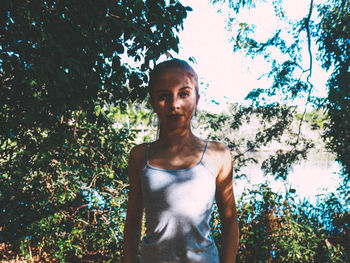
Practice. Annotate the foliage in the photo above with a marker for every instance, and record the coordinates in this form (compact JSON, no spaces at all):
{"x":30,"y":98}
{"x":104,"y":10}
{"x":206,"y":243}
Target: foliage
{"x":290,"y":54}
{"x":334,"y":46}
{"x":67,"y":68}
{"x":247,"y":130}
{"x":305,"y":233}
{"x":277,"y":228}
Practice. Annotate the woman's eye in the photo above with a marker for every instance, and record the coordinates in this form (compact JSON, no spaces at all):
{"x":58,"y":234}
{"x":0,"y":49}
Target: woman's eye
{"x":184,"y":94}
{"x":162,"y":97}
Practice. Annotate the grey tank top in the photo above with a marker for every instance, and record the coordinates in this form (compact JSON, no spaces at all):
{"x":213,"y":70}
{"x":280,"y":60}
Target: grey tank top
{"x":178,"y":204}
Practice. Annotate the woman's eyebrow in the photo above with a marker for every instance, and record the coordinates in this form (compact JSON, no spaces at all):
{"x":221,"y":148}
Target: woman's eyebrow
{"x":167,"y":91}
{"x":186,"y":87}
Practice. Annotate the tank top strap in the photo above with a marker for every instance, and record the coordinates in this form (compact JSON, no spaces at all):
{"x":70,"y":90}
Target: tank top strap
{"x":147,"y":152}
{"x":205,"y":150}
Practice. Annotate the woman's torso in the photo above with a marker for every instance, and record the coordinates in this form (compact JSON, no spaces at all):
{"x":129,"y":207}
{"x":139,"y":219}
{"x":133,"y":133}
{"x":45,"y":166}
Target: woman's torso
{"x":178,"y":204}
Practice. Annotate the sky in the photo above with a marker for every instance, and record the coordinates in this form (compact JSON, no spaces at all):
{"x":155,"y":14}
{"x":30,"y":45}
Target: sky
{"x":227,"y":77}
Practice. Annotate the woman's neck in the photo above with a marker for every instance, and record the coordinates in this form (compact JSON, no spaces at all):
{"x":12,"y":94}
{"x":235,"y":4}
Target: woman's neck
{"x":178,"y":139}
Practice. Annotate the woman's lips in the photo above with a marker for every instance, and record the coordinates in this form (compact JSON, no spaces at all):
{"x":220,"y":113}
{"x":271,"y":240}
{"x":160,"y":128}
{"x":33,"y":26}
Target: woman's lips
{"x":175,"y":116}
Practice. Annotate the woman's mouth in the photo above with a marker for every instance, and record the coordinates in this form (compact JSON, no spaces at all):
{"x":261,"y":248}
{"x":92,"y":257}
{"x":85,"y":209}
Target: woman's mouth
{"x":175,"y":116}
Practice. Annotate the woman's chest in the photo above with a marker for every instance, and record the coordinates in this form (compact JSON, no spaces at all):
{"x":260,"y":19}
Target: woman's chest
{"x":181,"y":190}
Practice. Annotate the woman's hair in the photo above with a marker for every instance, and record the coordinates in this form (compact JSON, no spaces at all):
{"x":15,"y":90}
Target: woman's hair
{"x":167,"y":66}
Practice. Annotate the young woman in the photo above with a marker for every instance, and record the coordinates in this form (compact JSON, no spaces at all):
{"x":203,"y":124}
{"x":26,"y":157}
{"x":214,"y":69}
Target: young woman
{"x":176,"y":179}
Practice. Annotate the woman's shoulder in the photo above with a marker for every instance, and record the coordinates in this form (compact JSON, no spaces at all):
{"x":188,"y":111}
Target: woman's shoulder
{"x":218,"y":156}
{"x":138,"y":149}
{"x":218,"y":148}
{"x":138,"y":154}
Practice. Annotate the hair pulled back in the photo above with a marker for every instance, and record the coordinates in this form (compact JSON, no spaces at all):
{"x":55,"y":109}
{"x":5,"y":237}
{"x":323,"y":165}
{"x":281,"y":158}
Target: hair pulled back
{"x":167,"y":66}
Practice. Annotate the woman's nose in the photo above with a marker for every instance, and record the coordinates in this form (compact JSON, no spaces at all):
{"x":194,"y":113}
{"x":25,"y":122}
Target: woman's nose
{"x":174,"y":102}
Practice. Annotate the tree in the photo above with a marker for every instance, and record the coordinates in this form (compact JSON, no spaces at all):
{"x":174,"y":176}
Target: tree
{"x":291,"y":70}
{"x":63,"y":64}
{"x":277,"y":226}
{"x":334,"y":46}
{"x":291,"y":57}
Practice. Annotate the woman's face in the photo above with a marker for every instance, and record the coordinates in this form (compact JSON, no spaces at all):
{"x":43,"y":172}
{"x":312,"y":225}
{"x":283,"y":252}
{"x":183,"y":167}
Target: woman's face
{"x":174,"y":99}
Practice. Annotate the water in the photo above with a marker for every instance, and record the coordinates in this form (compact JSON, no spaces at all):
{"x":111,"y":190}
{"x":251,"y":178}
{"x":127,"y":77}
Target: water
{"x":317,"y":175}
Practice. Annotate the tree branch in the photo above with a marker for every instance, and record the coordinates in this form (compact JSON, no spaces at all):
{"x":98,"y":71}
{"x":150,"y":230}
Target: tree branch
{"x":308,"y":34}
{"x":307,"y":28}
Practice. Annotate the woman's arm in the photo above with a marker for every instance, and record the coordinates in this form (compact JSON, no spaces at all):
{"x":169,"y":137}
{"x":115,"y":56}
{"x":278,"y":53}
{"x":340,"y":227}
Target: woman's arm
{"x":132,"y":228}
{"x":227,"y":209}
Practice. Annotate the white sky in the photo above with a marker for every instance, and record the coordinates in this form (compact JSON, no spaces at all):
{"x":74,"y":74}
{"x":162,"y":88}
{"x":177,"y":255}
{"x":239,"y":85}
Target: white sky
{"x":228,"y":77}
